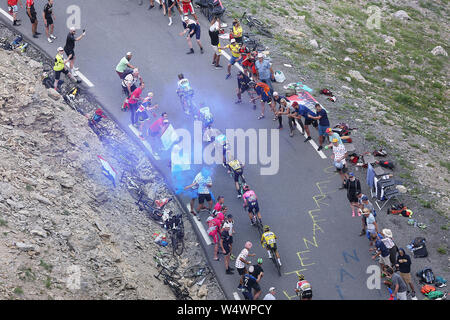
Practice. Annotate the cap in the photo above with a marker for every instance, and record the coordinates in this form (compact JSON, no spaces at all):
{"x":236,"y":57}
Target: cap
{"x":186,"y":18}
{"x":364,"y":198}
{"x":387,"y":233}
{"x":260,"y":55}
{"x":233,"y":40}
{"x":328,"y":130}
{"x":351,"y":174}
{"x":135,"y":70}
{"x":295,"y":103}
{"x":335,"y":140}
{"x":128,"y":53}
{"x":72,"y":29}
{"x":60,"y":49}
{"x":271,"y":289}
{"x":275,"y":93}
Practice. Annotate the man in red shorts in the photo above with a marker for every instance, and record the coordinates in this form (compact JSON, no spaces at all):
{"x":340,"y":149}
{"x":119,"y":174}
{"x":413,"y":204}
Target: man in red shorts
{"x":13,"y":8}
{"x":188,"y":8}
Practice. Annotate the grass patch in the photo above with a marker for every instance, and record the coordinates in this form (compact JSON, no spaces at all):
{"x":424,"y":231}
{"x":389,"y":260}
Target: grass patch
{"x":27,"y":274}
{"x":46,"y":266}
{"x":29,"y":188}
{"x":445,"y":164}
{"x":442,"y":250}
{"x":370,"y":137}
{"x":18,"y":291}
{"x":426,"y":204}
{"x":3,"y":223}
{"x":48,"y":282}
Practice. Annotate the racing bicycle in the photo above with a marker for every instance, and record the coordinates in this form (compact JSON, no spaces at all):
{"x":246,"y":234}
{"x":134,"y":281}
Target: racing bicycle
{"x":175,"y":228}
{"x":251,"y":22}
{"x":275,"y":260}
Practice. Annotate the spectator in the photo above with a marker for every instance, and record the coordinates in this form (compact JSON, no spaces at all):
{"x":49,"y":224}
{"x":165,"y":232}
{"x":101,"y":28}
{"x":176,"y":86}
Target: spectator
{"x":353,"y":187}
{"x":237,"y":31}
{"x":146,"y":107}
{"x":404,"y":266}
{"x":60,"y":66}
{"x":324,"y":123}
{"x":123,"y":64}
{"x":243,"y":86}
{"x":370,"y":226}
{"x":31,"y":12}
{"x":49,"y":17}
{"x":130,"y":81}
{"x":155,"y":130}
{"x":219,"y":205}
{"x":364,"y":202}
{"x":215,"y":42}
{"x":235,"y":55}
{"x":258,"y":273}
{"x":276,"y":98}
{"x":294,"y":117}
{"x":249,"y":283}
{"x":248,"y":63}
{"x":203,"y":182}
{"x":304,"y":111}
{"x":191,"y":28}
{"x":170,"y":5}
{"x":332,"y":135}
{"x":389,"y":243}
{"x":70,"y":46}
{"x":225,"y":244}
{"x":398,"y":284}
{"x":13,"y":9}
{"x":214,"y":231}
{"x":271,"y":294}
{"x":230,"y":223}
{"x":188,"y":8}
{"x":221,"y":214}
{"x":264,"y":94}
{"x":382,"y":252}
{"x":338,"y":156}
{"x":264,"y":71}
{"x":134,"y":100}
{"x":242,"y":262}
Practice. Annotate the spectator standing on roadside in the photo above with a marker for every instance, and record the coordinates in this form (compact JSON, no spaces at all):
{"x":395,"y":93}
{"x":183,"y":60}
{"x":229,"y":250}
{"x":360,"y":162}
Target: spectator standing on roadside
{"x":398,"y":284}
{"x":225,"y":245}
{"x":49,"y":19}
{"x":244,"y":85}
{"x":31,"y":12}
{"x":123,"y":64}
{"x":304,"y":111}
{"x":242,"y":262}
{"x":230,"y":223}
{"x":262,"y":89}
{"x":258,"y":273}
{"x":215,"y":41}
{"x":60,"y":66}
{"x":271,"y":294}
{"x":155,"y":129}
{"x":390,"y":244}
{"x":203,"y":182}
{"x":134,"y":100}
{"x":219,"y":204}
{"x":353,"y":187}
{"x":13,"y":9}
{"x":382,"y":252}
{"x":264,"y":71}
{"x":338,"y":156}
{"x":191,"y":28}
{"x":404,"y":267}
{"x":188,"y":8}
{"x":235,"y":55}
{"x":364,"y":202}
{"x":69,"y":48}
{"x":170,"y":5}
{"x":130,"y":81}
{"x":237,"y":31}
{"x":324,"y":123}
{"x":370,"y":226}
{"x":214,"y":231}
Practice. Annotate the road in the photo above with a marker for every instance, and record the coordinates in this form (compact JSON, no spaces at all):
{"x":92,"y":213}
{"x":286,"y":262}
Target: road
{"x":302,"y":203}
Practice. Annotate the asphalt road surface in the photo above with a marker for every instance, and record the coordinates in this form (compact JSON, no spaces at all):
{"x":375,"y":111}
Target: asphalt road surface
{"x":301,"y":202}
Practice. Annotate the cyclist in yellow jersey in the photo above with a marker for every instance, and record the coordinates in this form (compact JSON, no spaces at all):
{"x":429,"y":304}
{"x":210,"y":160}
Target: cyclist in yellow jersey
{"x":237,"y":168}
{"x":269,"y":239}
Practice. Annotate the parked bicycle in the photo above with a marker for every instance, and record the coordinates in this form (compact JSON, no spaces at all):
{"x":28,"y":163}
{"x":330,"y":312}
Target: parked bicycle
{"x":196,"y":272}
{"x":154,"y":209}
{"x":260,"y":26}
{"x":180,"y":292}
{"x":175,"y":228}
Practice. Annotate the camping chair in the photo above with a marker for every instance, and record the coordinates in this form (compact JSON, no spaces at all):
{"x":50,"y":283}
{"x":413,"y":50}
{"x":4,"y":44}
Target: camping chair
{"x":389,"y":191}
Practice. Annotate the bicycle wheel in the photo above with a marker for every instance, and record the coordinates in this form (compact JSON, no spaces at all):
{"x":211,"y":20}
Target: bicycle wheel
{"x":178,"y":246}
{"x":135,"y":192}
{"x":259,"y":225}
{"x":197,"y":271}
{"x":153,"y":213}
{"x":275,"y":261}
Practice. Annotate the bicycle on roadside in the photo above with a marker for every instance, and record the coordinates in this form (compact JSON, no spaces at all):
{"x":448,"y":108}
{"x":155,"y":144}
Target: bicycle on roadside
{"x":252,"y":22}
{"x":196,"y":272}
{"x":154,"y":209}
{"x":174,"y":225}
{"x":168,"y":278}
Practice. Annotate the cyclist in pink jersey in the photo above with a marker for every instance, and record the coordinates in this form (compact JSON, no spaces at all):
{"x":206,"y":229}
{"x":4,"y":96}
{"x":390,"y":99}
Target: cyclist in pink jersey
{"x":251,"y":202}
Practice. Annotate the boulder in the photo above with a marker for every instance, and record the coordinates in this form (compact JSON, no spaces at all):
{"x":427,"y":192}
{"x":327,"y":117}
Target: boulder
{"x":294,"y":32}
{"x":357,"y":76}
{"x":439,"y":51}
{"x":401,"y":14}
{"x":52,"y":93}
{"x":313,"y":43}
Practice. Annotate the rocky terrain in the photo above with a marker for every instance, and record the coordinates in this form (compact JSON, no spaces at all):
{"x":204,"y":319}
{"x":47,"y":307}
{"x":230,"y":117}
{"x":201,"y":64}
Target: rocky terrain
{"x":65,"y":231}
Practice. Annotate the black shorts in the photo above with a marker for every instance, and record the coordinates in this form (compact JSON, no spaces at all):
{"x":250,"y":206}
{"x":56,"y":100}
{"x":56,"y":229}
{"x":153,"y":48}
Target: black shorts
{"x":352,"y":198}
{"x":272,"y":246}
{"x":253,"y":205}
{"x":203,"y":197}
{"x":33,"y":14}
{"x":308,"y":121}
{"x":227,"y":248}
{"x":237,"y":173}
{"x":307,"y":294}
{"x":49,"y":21}
{"x":343,"y":170}
{"x":68,"y":53}
{"x":244,"y":88}
{"x":58,"y":73}
{"x":241,"y":271}
{"x":256,"y":287}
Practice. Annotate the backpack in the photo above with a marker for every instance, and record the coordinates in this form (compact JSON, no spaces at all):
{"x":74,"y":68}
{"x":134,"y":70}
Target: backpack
{"x":344,"y":129}
{"x":126,"y":72}
{"x":436,"y":294}
{"x":426,"y":289}
{"x":387,"y":164}
{"x":426,"y":275}
{"x":326,"y":92}
{"x":418,"y":242}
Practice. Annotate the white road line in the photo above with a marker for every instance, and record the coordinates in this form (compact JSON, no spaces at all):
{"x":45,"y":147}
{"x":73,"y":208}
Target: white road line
{"x":228,"y":57}
{"x":6,"y":14}
{"x":313,"y":143}
{"x":86,"y":80}
{"x":145,"y":143}
{"x":200,"y":227}
{"x":236,"y":296}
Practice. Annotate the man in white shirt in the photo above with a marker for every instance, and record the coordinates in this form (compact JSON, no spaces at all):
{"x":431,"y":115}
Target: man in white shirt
{"x":339,"y":155}
{"x":270,"y":295}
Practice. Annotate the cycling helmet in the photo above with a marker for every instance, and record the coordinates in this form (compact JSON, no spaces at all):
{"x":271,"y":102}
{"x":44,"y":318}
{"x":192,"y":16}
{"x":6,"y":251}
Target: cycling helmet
{"x":301,"y":277}
{"x":252,"y":84}
{"x":246,"y":187}
{"x":180,"y":76}
{"x":260,"y":261}
{"x":266,"y":228}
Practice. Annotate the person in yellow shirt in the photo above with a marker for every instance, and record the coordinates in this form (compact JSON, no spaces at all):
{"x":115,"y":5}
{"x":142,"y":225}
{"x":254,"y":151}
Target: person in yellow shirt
{"x":237,"y":31}
{"x":269,"y":239}
{"x":235,"y":55}
{"x":60,"y":66}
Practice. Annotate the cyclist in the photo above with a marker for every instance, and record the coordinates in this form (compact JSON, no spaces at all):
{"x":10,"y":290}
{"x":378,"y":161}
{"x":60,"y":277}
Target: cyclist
{"x":269,"y":239}
{"x":237,"y":168}
{"x":303,"y":288}
{"x":251,"y":201}
{"x":185,"y":92}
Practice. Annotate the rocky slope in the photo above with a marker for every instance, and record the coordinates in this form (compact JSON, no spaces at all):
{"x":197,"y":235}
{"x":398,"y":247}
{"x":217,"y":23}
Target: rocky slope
{"x":65,"y":231}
